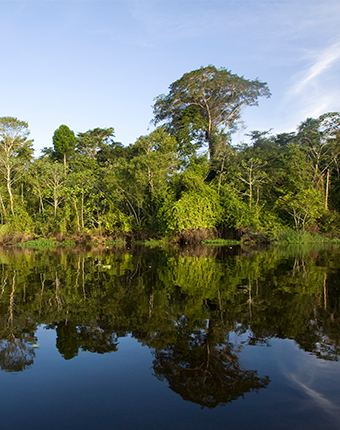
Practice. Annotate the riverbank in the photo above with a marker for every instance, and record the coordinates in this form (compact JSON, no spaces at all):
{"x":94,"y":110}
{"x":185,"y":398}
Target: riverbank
{"x":209,"y":237}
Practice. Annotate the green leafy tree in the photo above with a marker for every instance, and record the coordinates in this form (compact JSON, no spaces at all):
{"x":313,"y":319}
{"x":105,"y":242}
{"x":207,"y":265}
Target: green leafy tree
{"x":145,"y":177}
{"x":329,"y":126}
{"x":93,"y":141}
{"x":196,"y":210}
{"x":252,"y":175}
{"x":320,"y":139}
{"x":54,"y":177}
{"x":64,"y":142}
{"x":15,"y":153}
{"x":304,"y":207}
{"x":206,"y":101}
{"x":37,"y":183}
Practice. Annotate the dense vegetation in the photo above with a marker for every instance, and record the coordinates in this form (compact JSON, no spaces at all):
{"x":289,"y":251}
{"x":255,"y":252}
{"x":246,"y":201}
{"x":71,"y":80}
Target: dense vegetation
{"x":184,"y":175}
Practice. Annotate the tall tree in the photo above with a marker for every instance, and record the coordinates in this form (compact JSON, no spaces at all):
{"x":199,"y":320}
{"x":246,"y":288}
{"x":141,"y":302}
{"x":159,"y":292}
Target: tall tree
{"x":207,"y":101}
{"x":320,"y":138}
{"x":64,"y":142}
{"x":147,"y":174}
{"x":93,"y":141}
{"x":55,"y":185}
{"x":15,"y":151}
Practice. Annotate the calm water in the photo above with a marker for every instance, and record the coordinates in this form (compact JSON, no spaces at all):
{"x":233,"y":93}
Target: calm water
{"x":205,"y":338}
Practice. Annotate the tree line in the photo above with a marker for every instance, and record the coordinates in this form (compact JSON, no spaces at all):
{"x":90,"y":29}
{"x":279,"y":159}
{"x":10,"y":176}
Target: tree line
{"x":184,"y":175}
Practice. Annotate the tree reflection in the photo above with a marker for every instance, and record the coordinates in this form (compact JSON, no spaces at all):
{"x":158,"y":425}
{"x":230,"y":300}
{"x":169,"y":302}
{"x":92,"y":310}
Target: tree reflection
{"x":164,"y":300}
{"x":15,"y":354}
{"x":203,"y":368}
{"x":17,"y":334}
{"x":70,"y":338}
{"x":67,"y":340}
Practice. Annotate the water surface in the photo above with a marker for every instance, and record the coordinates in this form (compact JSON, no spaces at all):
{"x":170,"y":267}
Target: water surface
{"x":201,"y":338}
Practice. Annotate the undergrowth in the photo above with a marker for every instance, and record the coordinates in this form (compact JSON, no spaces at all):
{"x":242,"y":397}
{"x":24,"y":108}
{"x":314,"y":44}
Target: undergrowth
{"x":303,"y":237}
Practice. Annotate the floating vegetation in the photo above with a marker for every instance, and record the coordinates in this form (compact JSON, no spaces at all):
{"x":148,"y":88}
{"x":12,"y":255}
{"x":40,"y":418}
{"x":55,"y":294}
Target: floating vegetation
{"x":39,"y":244}
{"x":221,"y":242}
{"x":116,"y":243}
{"x":68,"y":243}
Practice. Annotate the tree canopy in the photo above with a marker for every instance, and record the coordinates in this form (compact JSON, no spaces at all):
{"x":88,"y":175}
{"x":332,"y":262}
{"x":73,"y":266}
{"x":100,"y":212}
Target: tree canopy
{"x":165,"y":183}
{"x":206,"y":102}
{"x":64,"y":142}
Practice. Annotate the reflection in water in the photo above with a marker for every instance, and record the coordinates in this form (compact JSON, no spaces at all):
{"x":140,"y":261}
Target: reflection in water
{"x":326,"y":405}
{"x":71,"y":337}
{"x":204,"y":368}
{"x":17,"y":332}
{"x":15,"y":355}
{"x":182,"y":307}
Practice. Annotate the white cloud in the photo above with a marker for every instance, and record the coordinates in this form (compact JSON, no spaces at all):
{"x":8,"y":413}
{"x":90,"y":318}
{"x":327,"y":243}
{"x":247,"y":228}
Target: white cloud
{"x":324,"y":61}
{"x":315,"y":89}
{"x":328,"y":406}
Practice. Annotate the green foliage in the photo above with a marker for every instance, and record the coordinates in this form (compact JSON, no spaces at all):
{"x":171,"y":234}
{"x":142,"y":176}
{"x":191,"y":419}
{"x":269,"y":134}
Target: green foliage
{"x":164,"y":182}
{"x":302,"y":237}
{"x":69,"y":243}
{"x":206,"y":101}
{"x":115,"y":221}
{"x":329,"y":222}
{"x":64,"y":142}
{"x":235,"y":212}
{"x":93,"y":141}
{"x":192,"y":179}
{"x":39,"y":244}
{"x":192,"y":211}
{"x":304,"y":207}
{"x":15,"y":154}
{"x":21,"y":222}
{"x":115,"y":243}
{"x":221,"y":242}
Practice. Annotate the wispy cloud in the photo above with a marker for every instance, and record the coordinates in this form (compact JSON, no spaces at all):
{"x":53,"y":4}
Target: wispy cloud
{"x":320,"y":400}
{"x":324,"y":61}
{"x":315,"y":88}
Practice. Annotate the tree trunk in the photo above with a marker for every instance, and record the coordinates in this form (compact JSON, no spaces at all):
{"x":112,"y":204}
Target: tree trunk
{"x":41,"y":206}
{"x":3,"y":207}
{"x":250,"y":186}
{"x":55,"y":205}
{"x":220,"y":177}
{"x":77,"y":214}
{"x":327,"y":190}
{"x":211,"y":139}
{"x":9,"y":189}
{"x":82,"y":210}
{"x":325,"y":291}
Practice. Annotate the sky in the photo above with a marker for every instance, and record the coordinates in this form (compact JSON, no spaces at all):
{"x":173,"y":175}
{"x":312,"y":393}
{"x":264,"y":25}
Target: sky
{"x":101,"y":63}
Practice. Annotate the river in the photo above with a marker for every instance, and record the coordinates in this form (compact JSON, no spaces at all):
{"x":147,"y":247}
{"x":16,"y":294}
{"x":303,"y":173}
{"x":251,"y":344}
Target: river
{"x":218,"y":338}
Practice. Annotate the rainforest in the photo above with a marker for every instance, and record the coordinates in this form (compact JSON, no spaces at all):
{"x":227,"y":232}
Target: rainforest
{"x":185,"y":180}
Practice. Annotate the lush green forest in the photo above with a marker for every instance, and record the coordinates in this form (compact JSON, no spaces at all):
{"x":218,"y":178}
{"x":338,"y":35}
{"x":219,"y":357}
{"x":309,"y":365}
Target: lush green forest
{"x":184,"y":176}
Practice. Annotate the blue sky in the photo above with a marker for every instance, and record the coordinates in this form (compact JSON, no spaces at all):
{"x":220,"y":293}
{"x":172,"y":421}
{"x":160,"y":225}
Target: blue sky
{"x":99,"y":63}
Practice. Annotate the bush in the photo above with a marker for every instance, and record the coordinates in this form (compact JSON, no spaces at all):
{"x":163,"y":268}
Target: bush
{"x":191,"y":212}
